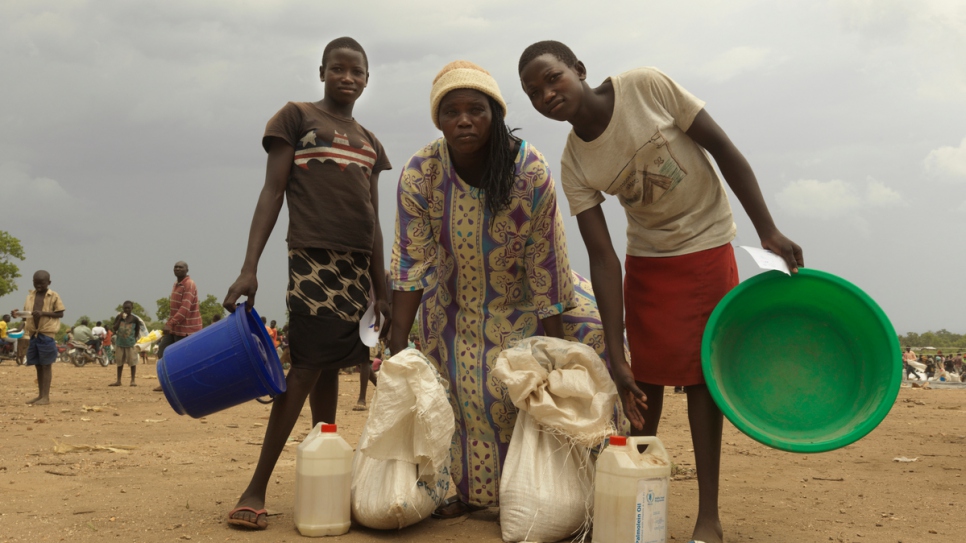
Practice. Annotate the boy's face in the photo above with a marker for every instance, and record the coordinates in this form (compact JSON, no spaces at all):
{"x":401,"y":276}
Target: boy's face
{"x":554,"y":89}
{"x":128,"y":308}
{"x":345,"y":75}
{"x":41,"y":282}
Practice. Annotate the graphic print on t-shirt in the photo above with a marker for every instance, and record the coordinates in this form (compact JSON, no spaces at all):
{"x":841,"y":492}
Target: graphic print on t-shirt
{"x":314,"y":147}
{"x":650,"y":174}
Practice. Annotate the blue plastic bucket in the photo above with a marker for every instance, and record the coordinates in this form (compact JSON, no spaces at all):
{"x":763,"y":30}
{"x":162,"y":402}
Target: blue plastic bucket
{"x":228,"y":363}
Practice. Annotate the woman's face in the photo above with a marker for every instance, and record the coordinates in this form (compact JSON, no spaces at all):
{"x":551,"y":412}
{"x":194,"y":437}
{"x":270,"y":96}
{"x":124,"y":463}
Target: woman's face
{"x":465,"y":118}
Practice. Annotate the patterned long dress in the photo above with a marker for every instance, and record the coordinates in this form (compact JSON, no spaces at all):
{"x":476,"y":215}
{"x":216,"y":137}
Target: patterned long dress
{"x":487,"y":282}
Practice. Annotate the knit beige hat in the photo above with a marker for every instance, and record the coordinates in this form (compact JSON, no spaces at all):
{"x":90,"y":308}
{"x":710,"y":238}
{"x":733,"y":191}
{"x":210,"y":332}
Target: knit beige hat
{"x":462,"y":74}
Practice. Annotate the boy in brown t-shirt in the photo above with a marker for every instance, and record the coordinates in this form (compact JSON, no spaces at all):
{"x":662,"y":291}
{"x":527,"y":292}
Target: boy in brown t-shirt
{"x":326,"y":165}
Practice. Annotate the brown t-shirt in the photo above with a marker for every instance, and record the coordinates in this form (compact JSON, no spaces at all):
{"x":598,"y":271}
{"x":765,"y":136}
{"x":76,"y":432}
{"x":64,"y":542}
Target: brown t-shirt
{"x":329,"y":204}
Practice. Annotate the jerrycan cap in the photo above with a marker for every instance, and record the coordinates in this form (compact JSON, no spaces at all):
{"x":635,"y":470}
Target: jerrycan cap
{"x":328,"y":428}
{"x":618,"y":441}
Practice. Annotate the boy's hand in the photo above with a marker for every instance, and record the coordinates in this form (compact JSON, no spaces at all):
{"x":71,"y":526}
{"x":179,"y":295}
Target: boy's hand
{"x":632,"y":397}
{"x":245,"y":285}
{"x":786,"y":248}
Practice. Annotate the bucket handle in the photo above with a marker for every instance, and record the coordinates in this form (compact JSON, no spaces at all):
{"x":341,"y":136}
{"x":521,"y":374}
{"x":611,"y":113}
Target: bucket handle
{"x":266,"y":402}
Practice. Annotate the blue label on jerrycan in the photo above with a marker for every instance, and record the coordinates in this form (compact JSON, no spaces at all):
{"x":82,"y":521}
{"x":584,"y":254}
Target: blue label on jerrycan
{"x":651,"y":510}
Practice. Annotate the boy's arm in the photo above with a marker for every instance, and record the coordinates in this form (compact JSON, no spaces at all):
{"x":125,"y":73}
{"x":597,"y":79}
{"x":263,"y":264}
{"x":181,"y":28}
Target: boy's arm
{"x":740,"y":177}
{"x":280,"y":158}
{"x":605,"y":276}
{"x":377,"y":270}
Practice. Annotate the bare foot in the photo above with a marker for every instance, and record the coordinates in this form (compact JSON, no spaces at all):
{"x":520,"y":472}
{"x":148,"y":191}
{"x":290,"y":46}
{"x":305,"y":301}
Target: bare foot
{"x":360,"y":406}
{"x":33,"y":401}
{"x":117,"y":384}
{"x":133,"y":384}
{"x":39,"y":401}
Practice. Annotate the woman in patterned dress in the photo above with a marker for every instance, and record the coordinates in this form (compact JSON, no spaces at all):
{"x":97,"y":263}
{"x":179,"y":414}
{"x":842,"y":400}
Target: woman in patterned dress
{"x":481,"y":257}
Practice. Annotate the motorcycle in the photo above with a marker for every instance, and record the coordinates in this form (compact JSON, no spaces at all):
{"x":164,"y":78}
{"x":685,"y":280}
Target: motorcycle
{"x":63,"y":352}
{"x":8,"y":351}
{"x":11,"y":350}
{"x":80,"y":354}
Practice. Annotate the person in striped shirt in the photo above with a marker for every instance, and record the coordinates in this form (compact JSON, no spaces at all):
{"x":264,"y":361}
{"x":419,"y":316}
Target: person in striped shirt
{"x":184,"y":318}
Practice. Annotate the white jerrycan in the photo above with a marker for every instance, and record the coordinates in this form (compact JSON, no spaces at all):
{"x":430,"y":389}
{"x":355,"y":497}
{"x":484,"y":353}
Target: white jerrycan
{"x":631,"y":491}
{"x":323,"y":474}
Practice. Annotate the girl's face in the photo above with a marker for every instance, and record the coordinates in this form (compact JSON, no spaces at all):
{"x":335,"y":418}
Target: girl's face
{"x":465,"y":118}
{"x":345,"y":75}
{"x":554,"y":89}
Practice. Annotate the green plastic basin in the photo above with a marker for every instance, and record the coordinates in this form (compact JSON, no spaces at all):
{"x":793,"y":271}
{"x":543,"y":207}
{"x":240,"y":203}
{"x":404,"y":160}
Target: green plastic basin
{"x":807,"y":363}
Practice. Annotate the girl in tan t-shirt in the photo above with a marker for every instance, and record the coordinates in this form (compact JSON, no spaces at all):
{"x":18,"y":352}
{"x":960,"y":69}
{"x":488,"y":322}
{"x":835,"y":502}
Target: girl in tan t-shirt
{"x":669,"y":298}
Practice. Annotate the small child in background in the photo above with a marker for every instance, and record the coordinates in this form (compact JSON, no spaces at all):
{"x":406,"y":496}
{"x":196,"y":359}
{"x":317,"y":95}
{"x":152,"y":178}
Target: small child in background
{"x":642,"y":137}
{"x":46,"y":309}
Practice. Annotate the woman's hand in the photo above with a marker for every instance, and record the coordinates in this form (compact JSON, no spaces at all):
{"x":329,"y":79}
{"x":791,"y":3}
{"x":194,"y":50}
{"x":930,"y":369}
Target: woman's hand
{"x":383,"y":318}
{"x":245,"y":285}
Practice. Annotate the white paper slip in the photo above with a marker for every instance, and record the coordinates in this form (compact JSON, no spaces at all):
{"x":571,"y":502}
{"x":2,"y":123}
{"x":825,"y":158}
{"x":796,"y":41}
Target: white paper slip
{"x":367,"y":326}
{"x":767,"y":260}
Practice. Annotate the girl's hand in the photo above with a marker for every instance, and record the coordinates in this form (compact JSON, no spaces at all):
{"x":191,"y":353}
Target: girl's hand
{"x":245,"y":285}
{"x":786,"y":248}
{"x":633,"y":398}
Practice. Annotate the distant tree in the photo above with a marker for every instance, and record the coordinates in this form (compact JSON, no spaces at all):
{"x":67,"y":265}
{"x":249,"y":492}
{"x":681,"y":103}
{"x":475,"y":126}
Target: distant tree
{"x":164,"y":309}
{"x":9,"y":248}
{"x":928,"y":339}
{"x":210,"y":307}
{"x":138,"y":310}
{"x":90,"y":322}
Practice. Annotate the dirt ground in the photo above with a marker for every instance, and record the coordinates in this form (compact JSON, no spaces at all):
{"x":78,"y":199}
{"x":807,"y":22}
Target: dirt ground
{"x":117,"y":464}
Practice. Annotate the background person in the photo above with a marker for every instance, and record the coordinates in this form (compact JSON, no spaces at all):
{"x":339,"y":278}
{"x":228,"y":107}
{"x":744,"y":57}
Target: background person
{"x":46,"y":309}
{"x":99,"y":332}
{"x":127,"y":327}
{"x":84,"y":335}
{"x":185,"y":318}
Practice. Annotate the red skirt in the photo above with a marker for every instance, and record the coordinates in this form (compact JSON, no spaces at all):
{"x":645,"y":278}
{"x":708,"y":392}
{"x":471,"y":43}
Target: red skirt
{"x":667,"y":302}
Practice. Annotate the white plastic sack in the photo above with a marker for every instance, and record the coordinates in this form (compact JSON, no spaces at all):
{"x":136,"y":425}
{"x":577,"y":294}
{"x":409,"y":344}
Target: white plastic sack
{"x":400,"y":472}
{"x":917,"y":365}
{"x":566,"y":400}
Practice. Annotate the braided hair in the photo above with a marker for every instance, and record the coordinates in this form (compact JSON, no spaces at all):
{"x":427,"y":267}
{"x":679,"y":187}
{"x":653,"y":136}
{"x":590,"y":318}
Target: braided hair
{"x":497,"y":180}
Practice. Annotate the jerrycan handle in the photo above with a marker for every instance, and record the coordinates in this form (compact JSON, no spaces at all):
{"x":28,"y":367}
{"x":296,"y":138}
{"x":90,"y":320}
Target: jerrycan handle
{"x":654,"y":446}
{"x":316,"y":432}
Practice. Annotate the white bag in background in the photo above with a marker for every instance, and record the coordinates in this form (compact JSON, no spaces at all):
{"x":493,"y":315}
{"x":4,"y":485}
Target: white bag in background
{"x":400,"y":472}
{"x":566,"y":400}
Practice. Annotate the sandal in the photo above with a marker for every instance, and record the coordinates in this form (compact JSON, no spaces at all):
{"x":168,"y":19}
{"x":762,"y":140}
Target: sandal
{"x":260,"y":514}
{"x":453,"y":508}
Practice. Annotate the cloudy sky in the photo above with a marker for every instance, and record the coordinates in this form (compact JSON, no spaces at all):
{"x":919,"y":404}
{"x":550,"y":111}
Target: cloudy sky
{"x":130,"y":131}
